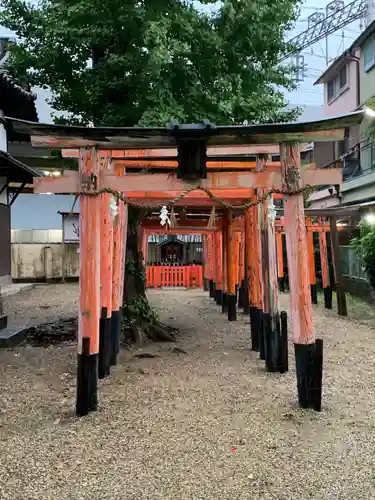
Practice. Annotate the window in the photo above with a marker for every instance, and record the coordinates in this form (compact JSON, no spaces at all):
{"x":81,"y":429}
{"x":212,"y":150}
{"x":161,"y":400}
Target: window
{"x":342,"y":77}
{"x":331,"y":90}
{"x":369,"y":54}
{"x":338,"y":84}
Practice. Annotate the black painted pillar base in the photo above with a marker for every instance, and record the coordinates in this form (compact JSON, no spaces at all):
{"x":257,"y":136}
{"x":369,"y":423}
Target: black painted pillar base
{"x":314,"y":294}
{"x":281,"y":282}
{"x":87,"y":380}
{"x":224,"y":302}
{"x":271,"y":342}
{"x":276,"y":342}
{"x":327,"y":297}
{"x":262,"y":347}
{"x":309,"y":370}
{"x":218,"y":297}
{"x":232,"y":311}
{"x":255,"y":327}
{"x":341,"y":300}
{"x":212,"y":289}
{"x":241,"y":292}
{"x":205,"y":284}
{"x":283,"y":354}
{"x":115,"y":336}
{"x":246,"y":304}
{"x":104,"y":345}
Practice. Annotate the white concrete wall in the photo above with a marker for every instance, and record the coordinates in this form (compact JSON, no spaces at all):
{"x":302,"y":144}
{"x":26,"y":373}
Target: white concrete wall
{"x":41,"y":261}
{"x":36,"y":235}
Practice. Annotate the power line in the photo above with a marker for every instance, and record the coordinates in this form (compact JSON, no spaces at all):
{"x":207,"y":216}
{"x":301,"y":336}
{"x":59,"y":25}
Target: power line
{"x":314,"y":55}
{"x":321,"y":26}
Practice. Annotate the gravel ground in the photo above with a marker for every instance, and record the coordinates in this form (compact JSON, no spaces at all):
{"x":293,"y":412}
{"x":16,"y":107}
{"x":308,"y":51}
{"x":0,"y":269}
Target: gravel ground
{"x":209,"y":424}
{"x":42,"y":304}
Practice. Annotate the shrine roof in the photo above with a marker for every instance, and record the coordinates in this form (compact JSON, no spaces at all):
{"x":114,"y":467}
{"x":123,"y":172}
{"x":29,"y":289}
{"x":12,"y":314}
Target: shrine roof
{"x":62,"y":136}
{"x":15,"y":171}
{"x":170,"y":239}
{"x":15,"y":99}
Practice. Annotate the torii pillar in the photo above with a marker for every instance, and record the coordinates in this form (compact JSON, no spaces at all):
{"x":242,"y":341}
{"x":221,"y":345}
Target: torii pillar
{"x":219,"y":267}
{"x":254,"y":274}
{"x":211,"y":264}
{"x":326,"y":282}
{"x":230,"y":267}
{"x":106,"y":261}
{"x":89,"y":284}
{"x":205,"y":262}
{"x":308,"y":352}
{"x":224,"y":297}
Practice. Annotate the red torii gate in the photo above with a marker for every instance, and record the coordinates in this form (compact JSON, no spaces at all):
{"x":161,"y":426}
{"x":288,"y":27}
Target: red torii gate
{"x":97,"y":178}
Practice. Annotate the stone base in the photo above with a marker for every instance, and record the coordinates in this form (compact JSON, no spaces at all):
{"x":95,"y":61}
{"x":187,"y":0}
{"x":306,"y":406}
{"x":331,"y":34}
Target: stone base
{"x":3,"y":322}
{"x":12,"y":336}
{"x":14,"y":288}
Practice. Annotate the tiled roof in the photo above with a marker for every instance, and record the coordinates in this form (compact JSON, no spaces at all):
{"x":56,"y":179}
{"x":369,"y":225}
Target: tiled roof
{"x":7,"y":82}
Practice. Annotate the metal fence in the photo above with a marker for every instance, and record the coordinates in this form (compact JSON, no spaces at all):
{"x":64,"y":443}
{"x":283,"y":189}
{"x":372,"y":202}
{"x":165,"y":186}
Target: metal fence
{"x":351,"y":265}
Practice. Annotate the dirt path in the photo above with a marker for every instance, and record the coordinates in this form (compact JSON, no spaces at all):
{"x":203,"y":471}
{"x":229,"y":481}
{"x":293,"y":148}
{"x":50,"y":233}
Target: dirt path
{"x":210,"y":424}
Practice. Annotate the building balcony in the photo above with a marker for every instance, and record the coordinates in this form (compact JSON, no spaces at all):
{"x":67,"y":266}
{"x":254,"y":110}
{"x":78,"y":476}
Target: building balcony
{"x":358,"y":181}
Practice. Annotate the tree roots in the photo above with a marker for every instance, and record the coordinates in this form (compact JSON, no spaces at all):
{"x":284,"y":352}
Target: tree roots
{"x":142,"y":333}
{"x":65,"y":330}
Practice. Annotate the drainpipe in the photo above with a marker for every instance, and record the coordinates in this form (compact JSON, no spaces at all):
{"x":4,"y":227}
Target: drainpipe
{"x":357,"y":60}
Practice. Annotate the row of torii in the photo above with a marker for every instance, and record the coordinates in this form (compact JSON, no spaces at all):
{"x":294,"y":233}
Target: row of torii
{"x":262,"y":255}
{"x":102,"y":173}
{"x":243,"y":261}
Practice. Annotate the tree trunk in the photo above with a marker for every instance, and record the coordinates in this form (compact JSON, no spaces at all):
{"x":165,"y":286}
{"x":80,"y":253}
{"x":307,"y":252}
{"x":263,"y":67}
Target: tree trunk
{"x":134,"y":285}
{"x":140,"y":320}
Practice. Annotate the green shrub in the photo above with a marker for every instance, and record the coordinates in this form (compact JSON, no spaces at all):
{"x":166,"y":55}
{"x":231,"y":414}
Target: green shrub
{"x":365,"y":246}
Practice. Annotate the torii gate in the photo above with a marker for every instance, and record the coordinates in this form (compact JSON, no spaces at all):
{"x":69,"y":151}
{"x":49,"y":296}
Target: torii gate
{"x":98,"y":178}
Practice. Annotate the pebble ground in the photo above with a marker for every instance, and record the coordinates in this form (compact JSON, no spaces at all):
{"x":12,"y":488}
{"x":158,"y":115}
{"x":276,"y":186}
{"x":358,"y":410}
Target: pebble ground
{"x":210,"y":424}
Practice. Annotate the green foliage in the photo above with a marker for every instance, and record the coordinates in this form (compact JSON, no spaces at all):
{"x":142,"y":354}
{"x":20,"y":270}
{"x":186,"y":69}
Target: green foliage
{"x":368,"y":128}
{"x":139,"y":311}
{"x":365,"y":246}
{"x":138,"y":62}
{"x":155,"y":60}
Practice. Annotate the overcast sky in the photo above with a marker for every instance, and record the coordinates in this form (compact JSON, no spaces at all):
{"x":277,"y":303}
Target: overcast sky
{"x":315,"y":58}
